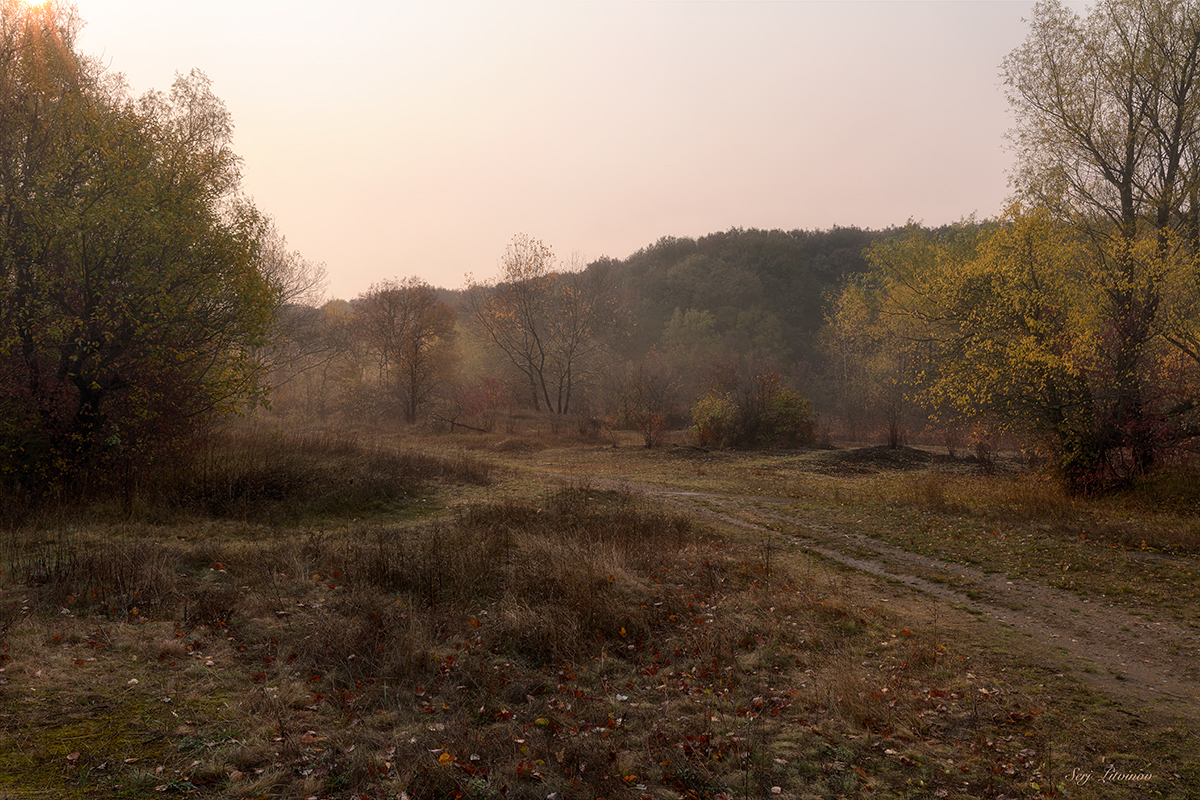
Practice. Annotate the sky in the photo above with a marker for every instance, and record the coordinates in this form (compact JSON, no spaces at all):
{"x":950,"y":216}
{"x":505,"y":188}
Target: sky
{"x":394,"y":139}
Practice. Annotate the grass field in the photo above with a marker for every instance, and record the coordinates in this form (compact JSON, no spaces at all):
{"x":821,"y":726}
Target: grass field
{"x":504,"y":616}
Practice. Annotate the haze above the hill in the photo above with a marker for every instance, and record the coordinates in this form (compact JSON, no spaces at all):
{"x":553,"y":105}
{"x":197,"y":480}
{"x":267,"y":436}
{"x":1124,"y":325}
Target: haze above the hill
{"x":397,"y":139}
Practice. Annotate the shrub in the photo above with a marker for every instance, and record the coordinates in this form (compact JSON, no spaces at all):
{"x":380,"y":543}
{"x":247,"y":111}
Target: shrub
{"x":716,"y":419}
{"x":759,"y":413}
{"x":789,"y":420}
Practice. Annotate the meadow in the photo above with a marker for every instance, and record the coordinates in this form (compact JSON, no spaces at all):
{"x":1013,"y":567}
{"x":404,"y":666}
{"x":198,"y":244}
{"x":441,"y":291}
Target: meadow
{"x":535,"y":614}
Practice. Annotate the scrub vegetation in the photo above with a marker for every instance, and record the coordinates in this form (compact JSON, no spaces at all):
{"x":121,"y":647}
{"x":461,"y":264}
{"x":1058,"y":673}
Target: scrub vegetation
{"x":481,"y":631}
{"x":582,"y":530}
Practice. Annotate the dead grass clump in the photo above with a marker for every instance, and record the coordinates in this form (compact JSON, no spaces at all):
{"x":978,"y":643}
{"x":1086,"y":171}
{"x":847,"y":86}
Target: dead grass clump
{"x":1012,"y":498}
{"x":1162,"y":516}
{"x":360,"y":635}
{"x":121,"y":578}
{"x":441,"y":564}
{"x":932,"y":491}
{"x":617,"y":520}
{"x":1173,"y":486}
{"x":276,"y":477}
{"x":1035,"y":497}
{"x":564,"y":601}
{"x":1164,"y":534}
{"x":1038,"y":497}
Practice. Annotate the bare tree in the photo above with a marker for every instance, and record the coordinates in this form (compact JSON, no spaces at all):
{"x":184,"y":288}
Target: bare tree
{"x":411,"y":333}
{"x":649,"y":398}
{"x":319,"y":351}
{"x":548,"y":323}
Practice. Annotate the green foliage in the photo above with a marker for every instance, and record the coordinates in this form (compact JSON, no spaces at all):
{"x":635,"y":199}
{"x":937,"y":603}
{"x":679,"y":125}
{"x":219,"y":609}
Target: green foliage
{"x":760,"y":412}
{"x":742,"y":293}
{"x":132,"y":294}
{"x":788,"y":420}
{"x":715,"y":419}
{"x":690,"y":340}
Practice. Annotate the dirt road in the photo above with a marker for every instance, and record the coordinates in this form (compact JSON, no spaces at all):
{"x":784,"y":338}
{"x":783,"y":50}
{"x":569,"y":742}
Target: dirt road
{"x":1147,"y":662}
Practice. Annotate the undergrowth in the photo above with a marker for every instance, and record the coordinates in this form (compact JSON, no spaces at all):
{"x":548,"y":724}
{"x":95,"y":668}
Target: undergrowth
{"x":282,"y":616}
{"x":1161,"y":514}
{"x":264,"y":475}
{"x":587,"y":645}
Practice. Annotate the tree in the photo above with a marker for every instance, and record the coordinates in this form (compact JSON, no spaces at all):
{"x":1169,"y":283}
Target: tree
{"x":298,"y":280}
{"x":1072,"y":318}
{"x":412,"y":332}
{"x":317,"y":360}
{"x":649,"y":398}
{"x":1108,"y":134}
{"x":754,"y":410}
{"x":770,"y":273}
{"x":872,"y":357}
{"x":547,"y":323}
{"x":975,"y":321}
{"x":1009,"y":326}
{"x":132,"y":299}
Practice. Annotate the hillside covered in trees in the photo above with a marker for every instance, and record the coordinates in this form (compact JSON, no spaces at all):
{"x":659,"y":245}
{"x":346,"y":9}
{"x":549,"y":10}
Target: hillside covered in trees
{"x":678,"y":318}
{"x":1070,"y":321}
{"x":751,"y":292}
{"x":144,"y":298}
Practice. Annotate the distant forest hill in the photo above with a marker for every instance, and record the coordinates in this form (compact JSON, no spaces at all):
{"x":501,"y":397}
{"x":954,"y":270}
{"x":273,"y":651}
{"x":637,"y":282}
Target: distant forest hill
{"x":668,"y":325}
{"x":736,"y":294}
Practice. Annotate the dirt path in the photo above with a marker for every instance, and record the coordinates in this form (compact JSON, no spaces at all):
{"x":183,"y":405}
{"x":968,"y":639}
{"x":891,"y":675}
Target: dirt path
{"x":1151,"y":665}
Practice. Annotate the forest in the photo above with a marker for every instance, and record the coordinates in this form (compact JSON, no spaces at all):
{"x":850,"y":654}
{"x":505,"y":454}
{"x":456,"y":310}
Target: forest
{"x":1065,"y":327}
{"x":802,"y":514}
{"x":609,"y":344}
{"x":144,"y":297}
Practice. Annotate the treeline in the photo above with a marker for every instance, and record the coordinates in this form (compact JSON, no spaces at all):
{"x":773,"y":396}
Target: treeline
{"x":143,"y":298}
{"x":755,"y":292}
{"x":634,"y":342}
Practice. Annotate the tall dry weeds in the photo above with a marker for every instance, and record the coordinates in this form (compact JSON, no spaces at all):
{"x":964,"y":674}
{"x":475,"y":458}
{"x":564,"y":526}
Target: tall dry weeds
{"x":586,"y":644}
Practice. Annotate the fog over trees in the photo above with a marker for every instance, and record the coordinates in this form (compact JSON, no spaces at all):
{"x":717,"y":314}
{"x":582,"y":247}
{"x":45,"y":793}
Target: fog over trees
{"x":144,"y":297}
{"x":1068,"y":322}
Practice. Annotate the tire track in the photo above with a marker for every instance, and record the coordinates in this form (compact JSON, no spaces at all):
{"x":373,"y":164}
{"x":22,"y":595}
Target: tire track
{"x":1150,"y":664}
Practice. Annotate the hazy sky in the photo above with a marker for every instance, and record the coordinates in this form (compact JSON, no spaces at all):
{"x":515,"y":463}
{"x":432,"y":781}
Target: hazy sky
{"x":390,"y":139}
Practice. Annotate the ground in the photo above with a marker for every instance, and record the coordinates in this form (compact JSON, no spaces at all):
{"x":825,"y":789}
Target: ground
{"x":544,"y":617}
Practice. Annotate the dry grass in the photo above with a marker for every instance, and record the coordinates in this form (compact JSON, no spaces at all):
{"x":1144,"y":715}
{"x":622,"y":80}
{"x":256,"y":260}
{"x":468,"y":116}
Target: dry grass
{"x":264,"y":474}
{"x":587,"y":645}
{"x":576,"y":642}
